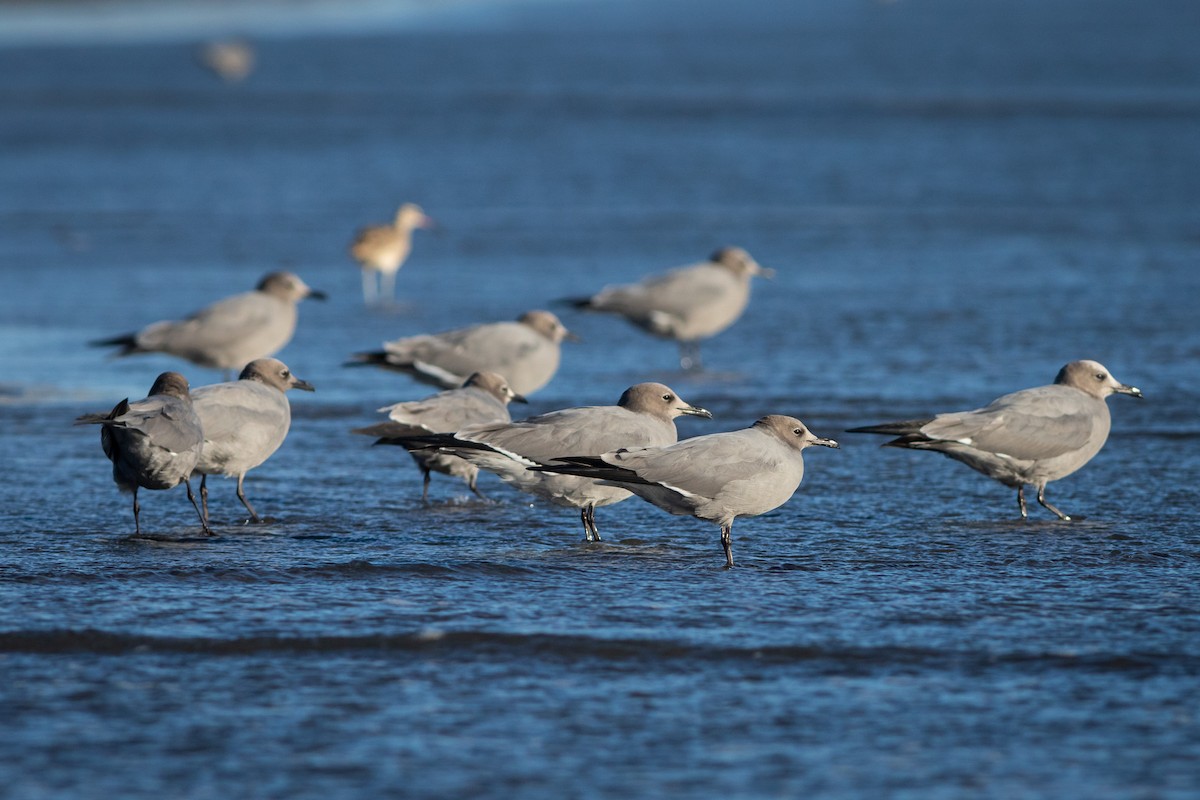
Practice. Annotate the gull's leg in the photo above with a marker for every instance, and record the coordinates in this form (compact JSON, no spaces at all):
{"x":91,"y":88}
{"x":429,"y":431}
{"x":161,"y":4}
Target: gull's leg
{"x":425,"y":486}
{"x":137,"y":525}
{"x":242,"y":496}
{"x":591,"y":515}
{"x":471,"y":485}
{"x":196,"y":506}
{"x":1042,"y":500}
{"x":727,"y":543}
{"x":588,"y":515}
{"x":1021,"y":501}
{"x":204,"y":494}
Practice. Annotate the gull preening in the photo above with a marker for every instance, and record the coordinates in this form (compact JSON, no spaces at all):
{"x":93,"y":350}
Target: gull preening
{"x":153,"y":443}
{"x":382,"y":249}
{"x":645,"y":415}
{"x":230,"y":333}
{"x":484,"y":398}
{"x":686,"y":304}
{"x":526,"y":352}
{"x":244,"y":422}
{"x":1030,"y":437}
{"x":718,"y":477}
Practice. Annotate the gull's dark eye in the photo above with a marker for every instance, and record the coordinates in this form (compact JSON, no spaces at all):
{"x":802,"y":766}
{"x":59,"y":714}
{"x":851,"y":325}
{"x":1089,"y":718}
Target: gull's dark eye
{"x":798,"y":431}
{"x":1100,"y":376}
{"x":668,"y":397}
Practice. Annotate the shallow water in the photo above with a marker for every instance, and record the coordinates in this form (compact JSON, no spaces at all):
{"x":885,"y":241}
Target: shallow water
{"x":957,"y":203}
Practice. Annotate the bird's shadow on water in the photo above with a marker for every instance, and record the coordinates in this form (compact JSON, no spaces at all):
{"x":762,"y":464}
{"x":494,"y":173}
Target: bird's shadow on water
{"x":165,"y":539}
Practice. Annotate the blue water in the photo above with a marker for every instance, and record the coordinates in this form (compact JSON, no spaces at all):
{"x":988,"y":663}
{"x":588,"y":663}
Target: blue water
{"x":958,"y":199}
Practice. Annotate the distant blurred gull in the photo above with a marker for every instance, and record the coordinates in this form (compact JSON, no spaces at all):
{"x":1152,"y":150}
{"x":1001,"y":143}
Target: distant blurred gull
{"x":717,"y":477}
{"x":230,"y":59}
{"x":686,"y":304}
{"x":483,"y":398}
{"x":645,"y":415}
{"x":244,"y":421}
{"x":1033,"y":436}
{"x":152,"y":443}
{"x":230,"y":333}
{"x":382,"y":249}
{"x":525,"y":352}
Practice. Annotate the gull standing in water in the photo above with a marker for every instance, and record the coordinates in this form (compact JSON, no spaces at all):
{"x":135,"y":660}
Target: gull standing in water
{"x":230,"y":333}
{"x":686,"y":304}
{"x":526,"y":352}
{"x":152,"y":443}
{"x":245,"y":421}
{"x":645,"y":415}
{"x":718,"y":477}
{"x":484,"y":398}
{"x":1032,"y":437}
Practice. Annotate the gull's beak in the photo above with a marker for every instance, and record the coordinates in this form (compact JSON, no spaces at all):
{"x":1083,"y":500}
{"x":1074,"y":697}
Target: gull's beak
{"x":765,"y":272}
{"x":1132,"y":391}
{"x":303,"y":386}
{"x":431,"y":224}
{"x":695,"y":411}
{"x":824,"y":442}
{"x":518,"y":398}
{"x":317,"y":294}
{"x":571,"y":337}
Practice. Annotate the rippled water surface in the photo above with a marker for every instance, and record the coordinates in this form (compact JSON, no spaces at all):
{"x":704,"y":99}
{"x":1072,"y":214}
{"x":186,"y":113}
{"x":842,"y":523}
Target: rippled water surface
{"x":957,"y":202}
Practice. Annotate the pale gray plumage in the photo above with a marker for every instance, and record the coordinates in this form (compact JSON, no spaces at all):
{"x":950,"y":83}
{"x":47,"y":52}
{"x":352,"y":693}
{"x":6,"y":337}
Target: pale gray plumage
{"x":244,"y":421}
{"x":718,"y":477}
{"x":645,"y":415}
{"x":152,"y":443}
{"x":525,"y":352}
{"x":484,"y":398}
{"x":686,"y":304}
{"x":230,"y":333}
{"x":1033,"y":436}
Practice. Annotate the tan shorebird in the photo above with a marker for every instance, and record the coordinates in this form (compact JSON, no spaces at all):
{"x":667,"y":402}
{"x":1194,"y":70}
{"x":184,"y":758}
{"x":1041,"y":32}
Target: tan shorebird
{"x":382,"y":250}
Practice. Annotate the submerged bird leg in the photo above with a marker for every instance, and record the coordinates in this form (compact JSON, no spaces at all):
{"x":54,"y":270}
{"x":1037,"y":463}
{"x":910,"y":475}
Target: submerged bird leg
{"x":192,"y":497}
{"x":137,"y":525}
{"x":689,"y":356}
{"x":204,"y":495}
{"x":425,"y":486}
{"x":587,"y":527}
{"x":1042,"y":500}
{"x":242,"y":496}
{"x":727,"y":543}
{"x":1021,"y":501}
